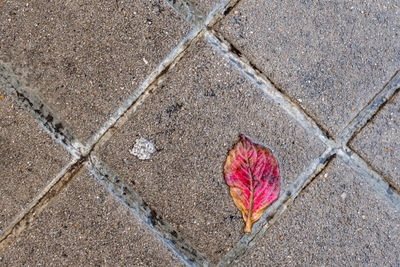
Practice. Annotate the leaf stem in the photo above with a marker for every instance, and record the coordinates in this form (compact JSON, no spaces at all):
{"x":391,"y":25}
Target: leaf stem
{"x":247,"y":228}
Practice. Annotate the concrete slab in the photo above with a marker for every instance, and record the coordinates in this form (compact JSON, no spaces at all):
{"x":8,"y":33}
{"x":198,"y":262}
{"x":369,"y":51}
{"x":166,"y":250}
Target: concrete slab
{"x":330,"y":57}
{"x":193,"y":118}
{"x":30,"y":159}
{"x":379,"y":141}
{"x":85,"y":225}
{"x":337,"y":220}
{"x":84,"y":59}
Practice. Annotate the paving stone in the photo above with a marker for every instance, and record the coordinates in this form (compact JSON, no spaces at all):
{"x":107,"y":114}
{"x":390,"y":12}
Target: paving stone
{"x":379,"y":141}
{"x":193,"y":118}
{"x":84,"y":59}
{"x":86,"y":225}
{"x":29,"y":159}
{"x":330,"y":57}
{"x":337,"y":220}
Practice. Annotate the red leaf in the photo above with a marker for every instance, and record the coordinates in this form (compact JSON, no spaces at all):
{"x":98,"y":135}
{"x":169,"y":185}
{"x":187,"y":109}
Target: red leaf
{"x":252,"y":173}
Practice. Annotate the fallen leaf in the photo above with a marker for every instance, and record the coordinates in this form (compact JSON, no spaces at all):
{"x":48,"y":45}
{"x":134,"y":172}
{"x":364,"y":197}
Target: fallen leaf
{"x":252,"y":173}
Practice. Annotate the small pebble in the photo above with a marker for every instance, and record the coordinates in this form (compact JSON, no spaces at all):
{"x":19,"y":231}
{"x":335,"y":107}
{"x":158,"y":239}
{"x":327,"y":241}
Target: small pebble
{"x":143,"y":149}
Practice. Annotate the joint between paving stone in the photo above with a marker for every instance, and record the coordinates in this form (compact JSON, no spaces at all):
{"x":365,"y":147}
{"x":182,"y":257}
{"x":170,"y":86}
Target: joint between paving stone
{"x":231,"y":7}
{"x":275,"y":211}
{"x":242,"y":63}
{"x":141,"y":209}
{"x":370,"y":110}
{"x":377,"y":181}
{"x":129,"y":106}
{"x":124,"y":112}
{"x":374,"y":172}
{"x":14,"y":85}
{"x":157,"y":75}
{"x":188,"y":10}
{"x":40,"y":202}
{"x":194,"y":17}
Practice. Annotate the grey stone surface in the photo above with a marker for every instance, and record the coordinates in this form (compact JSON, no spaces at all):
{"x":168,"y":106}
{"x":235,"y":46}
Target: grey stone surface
{"x":29,"y":159}
{"x":379,"y":141}
{"x":85,"y":225}
{"x":84,"y":59}
{"x":194,"y":8}
{"x":337,"y":220}
{"x":194,"y":118}
{"x":330,"y":57}
{"x":205,"y":6}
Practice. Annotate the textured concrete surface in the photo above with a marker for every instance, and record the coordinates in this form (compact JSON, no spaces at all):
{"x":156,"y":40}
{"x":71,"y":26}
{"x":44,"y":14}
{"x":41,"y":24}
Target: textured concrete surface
{"x":72,"y":64}
{"x":330,"y":57}
{"x":338,"y":219}
{"x":30,"y":159}
{"x":194,"y":8}
{"x":84,"y":59}
{"x":205,"y":6}
{"x":379,"y":141}
{"x":194,"y":117}
{"x":85,"y":225}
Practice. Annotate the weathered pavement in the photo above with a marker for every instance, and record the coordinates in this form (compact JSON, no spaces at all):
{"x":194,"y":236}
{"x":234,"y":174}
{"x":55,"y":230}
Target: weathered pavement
{"x":80,"y":83}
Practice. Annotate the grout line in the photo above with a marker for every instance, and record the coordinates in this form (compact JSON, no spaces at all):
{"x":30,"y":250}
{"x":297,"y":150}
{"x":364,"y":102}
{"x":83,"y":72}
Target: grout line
{"x":268,"y":88}
{"x":39,"y":203}
{"x":122,"y":114}
{"x":130,"y":105}
{"x":188,"y":10}
{"x":376,"y":181}
{"x":219,"y":12}
{"x":193,"y":16}
{"x":273,"y":213}
{"x":387,"y":178}
{"x":370,"y":110}
{"x":13,"y":84}
{"x":138,"y":206}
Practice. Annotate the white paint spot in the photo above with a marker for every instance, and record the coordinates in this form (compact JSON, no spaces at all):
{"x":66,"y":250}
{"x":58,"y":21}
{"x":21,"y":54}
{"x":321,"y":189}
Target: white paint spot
{"x":143,"y":148}
{"x":343,"y":196}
